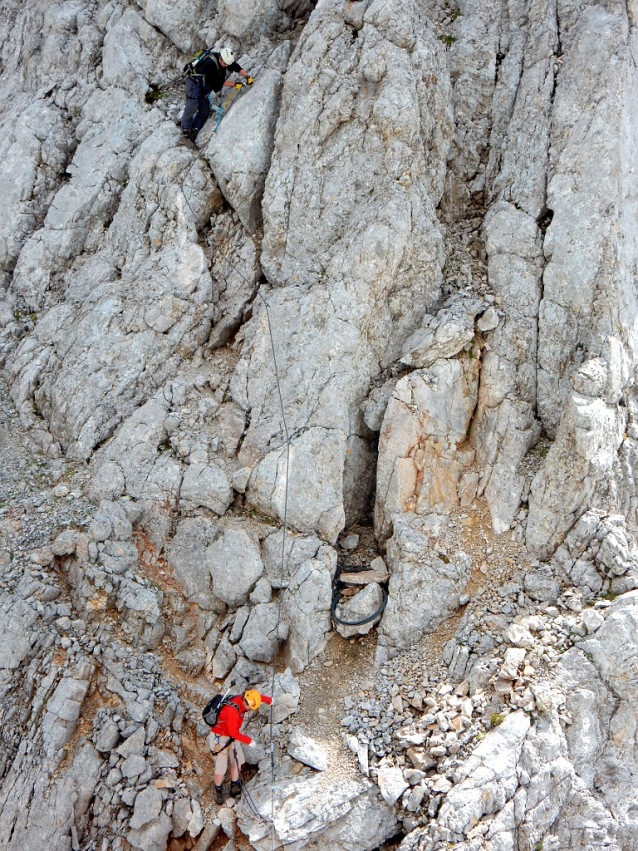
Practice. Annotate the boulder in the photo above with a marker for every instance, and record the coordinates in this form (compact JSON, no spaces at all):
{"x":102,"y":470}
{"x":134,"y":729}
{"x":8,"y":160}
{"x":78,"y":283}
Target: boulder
{"x":187,"y":556}
{"x":312,"y":809}
{"x":262,"y":633}
{"x":152,"y":837}
{"x":305,"y":749}
{"x":235,"y":566}
{"x":148,"y":805}
{"x":239,"y":153}
{"x":423,"y":446}
{"x":424,"y":588}
{"x":364,"y":604}
{"x":306,"y":608}
{"x":205,"y":486}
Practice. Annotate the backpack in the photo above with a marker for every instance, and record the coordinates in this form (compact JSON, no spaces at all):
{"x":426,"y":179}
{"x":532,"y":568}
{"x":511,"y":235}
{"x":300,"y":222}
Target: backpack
{"x":189,"y":68}
{"x":210,"y":712}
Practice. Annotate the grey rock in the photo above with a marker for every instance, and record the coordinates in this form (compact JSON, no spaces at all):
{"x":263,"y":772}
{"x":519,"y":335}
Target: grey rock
{"x":148,"y":805}
{"x":262,"y":592}
{"x":342,"y":812}
{"x":187,"y":557}
{"x":423,"y":446}
{"x":298,"y":549}
{"x":443,"y":335}
{"x":391,"y":783}
{"x":262,"y":632}
{"x":305,"y":749}
{"x":153,"y":837}
{"x":134,"y":744}
{"x":360,"y":607}
{"x":286,"y":696}
{"x":306,"y":608}
{"x":133,"y":766}
{"x":196,"y":821}
{"x":424,"y":588}
{"x":224,"y":659}
{"x":205,"y":486}
{"x":16,"y":618}
{"x":235,"y":566}
{"x":240,"y":151}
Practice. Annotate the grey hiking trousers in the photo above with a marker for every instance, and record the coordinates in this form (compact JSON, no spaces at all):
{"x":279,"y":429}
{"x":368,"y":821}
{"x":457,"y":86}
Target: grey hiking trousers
{"x":197,"y":107}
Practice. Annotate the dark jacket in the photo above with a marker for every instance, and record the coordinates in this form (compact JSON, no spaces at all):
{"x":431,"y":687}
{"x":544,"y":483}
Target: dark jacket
{"x":210,"y":75}
{"x":231,"y":718}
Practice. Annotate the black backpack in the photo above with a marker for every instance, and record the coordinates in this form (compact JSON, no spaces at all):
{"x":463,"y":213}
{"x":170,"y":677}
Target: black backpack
{"x":190,"y":67}
{"x":210,"y":712}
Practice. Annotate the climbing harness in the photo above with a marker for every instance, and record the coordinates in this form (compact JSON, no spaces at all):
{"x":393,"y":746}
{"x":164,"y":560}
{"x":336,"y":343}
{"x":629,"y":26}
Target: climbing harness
{"x":337,"y":584}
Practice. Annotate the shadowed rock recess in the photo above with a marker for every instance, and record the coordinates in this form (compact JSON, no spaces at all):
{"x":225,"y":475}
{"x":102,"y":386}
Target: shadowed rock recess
{"x":430,"y":210}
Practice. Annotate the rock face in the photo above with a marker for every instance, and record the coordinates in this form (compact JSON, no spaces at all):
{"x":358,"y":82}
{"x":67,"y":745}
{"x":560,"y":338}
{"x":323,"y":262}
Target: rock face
{"x":424,"y":589}
{"x":334,"y":249}
{"x":311,"y":810}
{"x":421,"y":452}
{"x":398,"y":285}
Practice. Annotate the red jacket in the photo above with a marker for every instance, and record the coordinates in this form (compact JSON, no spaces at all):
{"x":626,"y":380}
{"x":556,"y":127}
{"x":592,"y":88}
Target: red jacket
{"x":232,"y":717}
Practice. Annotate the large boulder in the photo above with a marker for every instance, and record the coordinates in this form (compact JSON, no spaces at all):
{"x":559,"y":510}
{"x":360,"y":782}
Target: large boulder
{"x":239,"y":153}
{"x":262,"y":632}
{"x":424,"y":589}
{"x":306,"y":607}
{"x":313,"y":810}
{"x":235,"y":566}
{"x":186,"y":555}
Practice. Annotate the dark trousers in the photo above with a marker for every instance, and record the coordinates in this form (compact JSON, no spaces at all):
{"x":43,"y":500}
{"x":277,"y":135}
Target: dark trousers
{"x":197,"y":107}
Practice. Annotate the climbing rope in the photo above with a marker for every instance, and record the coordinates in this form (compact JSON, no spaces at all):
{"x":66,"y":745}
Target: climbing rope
{"x":283,"y":547}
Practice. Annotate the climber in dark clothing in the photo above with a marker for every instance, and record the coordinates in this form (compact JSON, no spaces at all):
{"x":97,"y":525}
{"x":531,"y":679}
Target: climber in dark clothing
{"x":204,"y":75}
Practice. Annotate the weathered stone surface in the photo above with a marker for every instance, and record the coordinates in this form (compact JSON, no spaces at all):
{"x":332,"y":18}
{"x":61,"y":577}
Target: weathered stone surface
{"x":424,"y":588}
{"x":187,"y":557}
{"x":306,"y":607}
{"x":153,"y":837}
{"x":235,"y":566}
{"x":313,"y":809}
{"x":421,"y":448}
{"x":391,"y":783}
{"x":148,"y":805}
{"x":304,"y":748}
{"x":261,"y":633}
{"x":361,"y":606}
{"x":344,"y":254}
{"x":239,"y":153}
{"x":205,"y":486}
{"x":15,"y":639}
{"x":443,"y":335}
{"x":506,"y":426}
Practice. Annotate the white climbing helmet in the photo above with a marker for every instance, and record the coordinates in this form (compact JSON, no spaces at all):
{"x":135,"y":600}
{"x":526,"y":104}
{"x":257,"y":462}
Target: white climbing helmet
{"x":227,"y":55}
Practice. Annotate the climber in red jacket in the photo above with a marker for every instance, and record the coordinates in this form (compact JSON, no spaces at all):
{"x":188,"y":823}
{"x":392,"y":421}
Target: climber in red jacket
{"x":226,"y":736}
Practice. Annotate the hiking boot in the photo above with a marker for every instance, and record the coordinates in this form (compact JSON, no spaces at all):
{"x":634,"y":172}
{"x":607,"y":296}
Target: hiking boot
{"x":191,"y":135}
{"x":235,"y":788}
{"x":219,"y":794}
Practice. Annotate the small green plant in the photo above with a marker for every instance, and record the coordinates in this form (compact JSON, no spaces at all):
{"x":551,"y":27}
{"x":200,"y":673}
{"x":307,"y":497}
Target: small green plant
{"x":497,"y":719}
{"x":543,"y":451}
{"x":609,"y":596}
{"x":16,"y":315}
{"x":456,"y":14}
{"x":447,"y":39}
{"x":153,"y":95}
{"x":539,"y":845}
